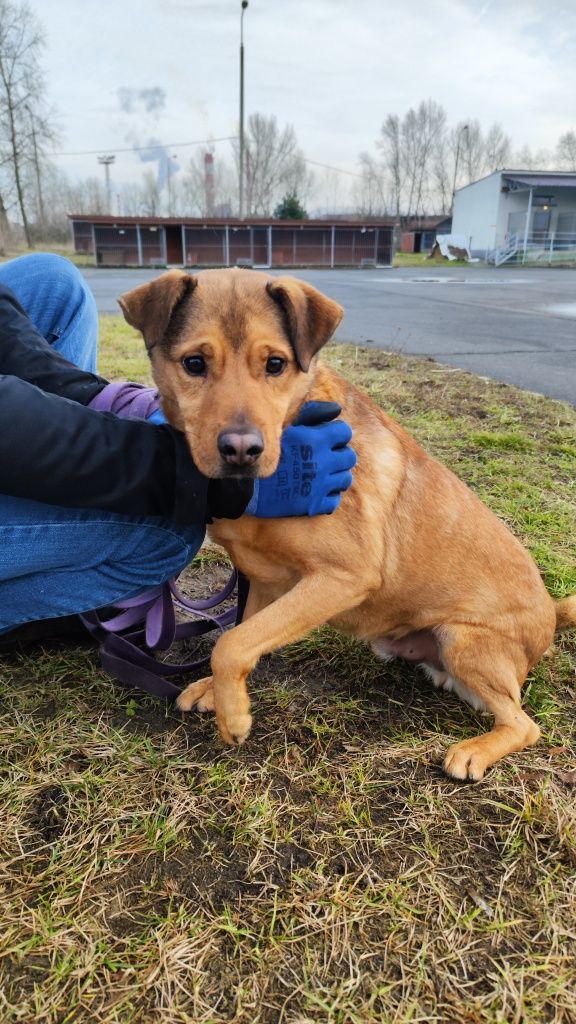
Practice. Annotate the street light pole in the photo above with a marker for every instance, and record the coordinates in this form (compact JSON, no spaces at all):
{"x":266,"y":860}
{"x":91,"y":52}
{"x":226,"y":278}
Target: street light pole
{"x":243,"y":5}
{"x":106,"y":161}
{"x":463,"y":129}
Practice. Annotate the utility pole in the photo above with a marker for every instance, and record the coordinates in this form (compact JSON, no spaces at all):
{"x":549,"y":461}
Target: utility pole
{"x":243,"y":5}
{"x":106,"y":161}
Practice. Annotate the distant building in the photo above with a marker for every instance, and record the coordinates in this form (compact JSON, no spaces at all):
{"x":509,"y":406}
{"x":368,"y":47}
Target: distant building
{"x":198,"y":242}
{"x":518,"y":215}
{"x":419,"y":234}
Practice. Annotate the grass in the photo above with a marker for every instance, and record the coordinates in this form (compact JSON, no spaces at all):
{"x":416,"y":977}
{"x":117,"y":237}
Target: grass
{"x":327,"y":872}
{"x":420,"y":259}
{"x":78,"y":258}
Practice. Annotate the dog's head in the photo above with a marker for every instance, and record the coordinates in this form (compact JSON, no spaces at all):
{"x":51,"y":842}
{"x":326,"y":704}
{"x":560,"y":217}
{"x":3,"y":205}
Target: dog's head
{"x":232,"y":352}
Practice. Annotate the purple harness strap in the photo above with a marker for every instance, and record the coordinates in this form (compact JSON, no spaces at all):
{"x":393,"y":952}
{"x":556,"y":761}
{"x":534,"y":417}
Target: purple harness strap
{"x":124,"y":650}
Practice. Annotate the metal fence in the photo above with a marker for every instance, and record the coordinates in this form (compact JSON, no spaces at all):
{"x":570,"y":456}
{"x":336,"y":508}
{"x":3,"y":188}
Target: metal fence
{"x":539,"y":247}
{"x":285,"y":246}
{"x":272,"y":245}
{"x":124,"y":246}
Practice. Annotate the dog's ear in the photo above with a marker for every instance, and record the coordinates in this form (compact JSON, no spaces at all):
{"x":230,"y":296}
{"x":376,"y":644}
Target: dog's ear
{"x":310,"y":318}
{"x":150,"y":307}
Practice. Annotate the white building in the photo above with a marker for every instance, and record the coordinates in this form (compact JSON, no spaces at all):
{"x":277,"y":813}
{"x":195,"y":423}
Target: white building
{"x":518,"y":215}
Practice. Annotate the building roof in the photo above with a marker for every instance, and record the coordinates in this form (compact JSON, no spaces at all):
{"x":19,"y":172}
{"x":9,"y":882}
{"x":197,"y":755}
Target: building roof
{"x":231,"y":222}
{"x":426,"y":223}
{"x":541,"y":179}
{"x":554,"y":179}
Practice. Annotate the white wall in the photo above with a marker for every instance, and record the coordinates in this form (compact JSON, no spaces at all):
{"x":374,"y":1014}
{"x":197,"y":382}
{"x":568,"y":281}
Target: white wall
{"x":481,"y":211}
{"x":476,"y":213}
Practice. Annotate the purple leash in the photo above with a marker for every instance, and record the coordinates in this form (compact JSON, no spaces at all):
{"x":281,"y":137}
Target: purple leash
{"x":124,"y":650}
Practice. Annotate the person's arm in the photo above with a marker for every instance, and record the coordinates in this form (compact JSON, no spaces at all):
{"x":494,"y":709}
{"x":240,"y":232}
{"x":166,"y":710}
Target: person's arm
{"x":59,"y":452}
{"x":56,"y":451}
{"x":25,"y":354}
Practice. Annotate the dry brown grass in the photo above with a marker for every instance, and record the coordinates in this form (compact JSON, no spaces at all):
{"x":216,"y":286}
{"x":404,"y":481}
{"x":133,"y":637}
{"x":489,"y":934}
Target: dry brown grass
{"x":328,"y":871}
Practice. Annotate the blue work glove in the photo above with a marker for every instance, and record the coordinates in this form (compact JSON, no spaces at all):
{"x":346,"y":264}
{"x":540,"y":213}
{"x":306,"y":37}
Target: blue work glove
{"x":314,"y":467}
{"x":157,"y":417}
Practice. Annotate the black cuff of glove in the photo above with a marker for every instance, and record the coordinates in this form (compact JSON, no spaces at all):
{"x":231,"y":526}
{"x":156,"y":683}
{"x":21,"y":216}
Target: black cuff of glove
{"x":227,"y":499}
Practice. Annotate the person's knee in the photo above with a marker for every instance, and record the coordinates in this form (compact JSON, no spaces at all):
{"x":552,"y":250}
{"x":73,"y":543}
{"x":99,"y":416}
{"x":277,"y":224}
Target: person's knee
{"x":46,"y":265}
{"x":156,"y":554}
{"x":51,"y":289}
{"x":59,"y":273}
{"x":63,"y":308}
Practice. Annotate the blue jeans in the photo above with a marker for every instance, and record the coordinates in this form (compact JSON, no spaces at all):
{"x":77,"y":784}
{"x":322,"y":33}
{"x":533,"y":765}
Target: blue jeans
{"x":60,"y":561}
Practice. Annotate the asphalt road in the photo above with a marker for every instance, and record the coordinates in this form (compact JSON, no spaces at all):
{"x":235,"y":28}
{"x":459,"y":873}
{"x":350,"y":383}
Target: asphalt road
{"x":513,"y":324}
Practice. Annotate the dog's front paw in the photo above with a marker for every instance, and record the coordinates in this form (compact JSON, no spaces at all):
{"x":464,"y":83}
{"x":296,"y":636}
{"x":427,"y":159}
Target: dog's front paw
{"x":232,"y":706}
{"x":200,"y":693}
{"x":466,"y":761}
{"x":235,"y":728}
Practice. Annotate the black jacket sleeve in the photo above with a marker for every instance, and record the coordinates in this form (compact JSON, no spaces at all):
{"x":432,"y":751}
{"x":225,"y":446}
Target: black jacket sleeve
{"x":24,"y":353}
{"x":59,"y":452}
{"x":55,"y":450}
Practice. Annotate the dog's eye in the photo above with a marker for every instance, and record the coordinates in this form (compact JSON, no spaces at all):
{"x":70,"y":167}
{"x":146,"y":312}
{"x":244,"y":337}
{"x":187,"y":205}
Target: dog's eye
{"x":275,"y":366}
{"x":194,"y":365}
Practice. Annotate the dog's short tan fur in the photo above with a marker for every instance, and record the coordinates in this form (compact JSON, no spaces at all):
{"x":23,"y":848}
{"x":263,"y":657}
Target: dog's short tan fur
{"x":412,"y":561}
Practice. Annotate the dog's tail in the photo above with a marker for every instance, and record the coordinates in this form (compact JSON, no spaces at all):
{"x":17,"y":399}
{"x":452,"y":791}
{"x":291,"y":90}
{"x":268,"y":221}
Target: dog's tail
{"x":566,"y":612}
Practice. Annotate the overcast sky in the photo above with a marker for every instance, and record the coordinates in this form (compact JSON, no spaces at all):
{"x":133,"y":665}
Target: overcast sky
{"x":332,"y":68}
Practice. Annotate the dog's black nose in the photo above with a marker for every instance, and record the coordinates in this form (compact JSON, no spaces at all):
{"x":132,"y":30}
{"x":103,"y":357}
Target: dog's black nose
{"x":241,"y":447}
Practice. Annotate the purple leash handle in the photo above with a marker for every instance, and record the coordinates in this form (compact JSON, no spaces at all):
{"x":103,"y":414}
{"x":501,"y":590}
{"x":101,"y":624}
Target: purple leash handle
{"x":161,"y":622}
{"x":125,"y":656}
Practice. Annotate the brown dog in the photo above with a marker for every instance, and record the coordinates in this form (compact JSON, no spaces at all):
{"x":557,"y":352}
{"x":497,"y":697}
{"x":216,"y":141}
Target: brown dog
{"x":411,"y":562}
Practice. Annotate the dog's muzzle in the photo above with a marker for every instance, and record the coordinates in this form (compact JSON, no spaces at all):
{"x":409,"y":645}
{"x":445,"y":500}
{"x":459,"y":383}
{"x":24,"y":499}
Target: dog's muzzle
{"x":241,"y":448}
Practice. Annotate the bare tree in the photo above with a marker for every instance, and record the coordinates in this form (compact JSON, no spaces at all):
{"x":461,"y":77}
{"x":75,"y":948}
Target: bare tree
{"x":566,"y":150}
{"x":274,"y":163}
{"x":413,"y":156}
{"x":421,"y":156}
{"x":54,"y":203}
{"x":481,"y":153}
{"x":441,"y":174}
{"x":329,"y":193}
{"x":298,"y":179}
{"x":390,"y":146}
{"x":529,"y":159}
{"x":151,"y":195}
{"x":4,"y":226}
{"x":370,"y":191}
{"x":89,"y":196}
{"x":421,"y":129}
{"x":497,"y":148}
{"x":24,"y":127}
{"x":471,"y":143}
